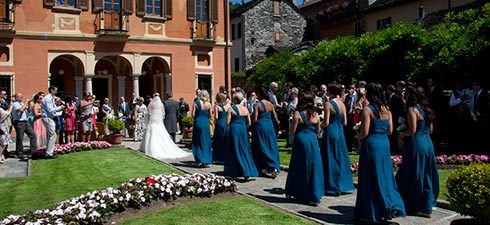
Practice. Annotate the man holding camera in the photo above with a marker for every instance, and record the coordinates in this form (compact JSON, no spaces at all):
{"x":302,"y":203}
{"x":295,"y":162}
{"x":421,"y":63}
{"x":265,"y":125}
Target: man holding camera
{"x":86,"y":109}
{"x":49,"y":111}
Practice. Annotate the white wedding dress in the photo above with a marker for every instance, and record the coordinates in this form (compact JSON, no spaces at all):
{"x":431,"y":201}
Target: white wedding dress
{"x":156,"y":141}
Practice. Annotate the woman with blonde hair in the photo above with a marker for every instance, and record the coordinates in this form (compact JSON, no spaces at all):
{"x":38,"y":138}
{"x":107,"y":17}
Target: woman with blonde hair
{"x":220,"y":130}
{"x":201,"y":132}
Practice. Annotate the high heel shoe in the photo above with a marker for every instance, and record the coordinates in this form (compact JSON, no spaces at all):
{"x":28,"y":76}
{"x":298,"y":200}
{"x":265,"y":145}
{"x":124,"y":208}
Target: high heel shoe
{"x":2,"y":159}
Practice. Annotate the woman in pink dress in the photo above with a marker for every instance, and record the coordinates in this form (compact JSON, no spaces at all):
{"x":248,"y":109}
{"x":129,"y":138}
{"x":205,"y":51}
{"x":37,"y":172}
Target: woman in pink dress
{"x":37,"y":124}
{"x":70,"y":121}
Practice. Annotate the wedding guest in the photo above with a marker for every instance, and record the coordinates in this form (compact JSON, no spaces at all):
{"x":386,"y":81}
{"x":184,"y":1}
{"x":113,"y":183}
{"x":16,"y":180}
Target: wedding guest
{"x":397,"y":109}
{"x":201,"y":132}
{"x":292,"y":104}
{"x":37,"y":124}
{"x":5,"y":124}
{"x":183,"y":111}
{"x":221,"y":129}
{"x":107,"y":112}
{"x":21,"y":124}
{"x":49,"y":110}
{"x":86,"y":111}
{"x":417,"y":178}
{"x":460,"y":112}
{"x":305,"y":177}
{"x":140,"y":114}
{"x":335,"y":156}
{"x":59,"y":121}
{"x":377,"y":199}
{"x":265,"y":151}
{"x":123,"y":108}
{"x":252,"y":99}
{"x":480,"y":110}
{"x":133,"y":102}
{"x":4,"y":103}
{"x":238,"y":159}
{"x":70,"y":120}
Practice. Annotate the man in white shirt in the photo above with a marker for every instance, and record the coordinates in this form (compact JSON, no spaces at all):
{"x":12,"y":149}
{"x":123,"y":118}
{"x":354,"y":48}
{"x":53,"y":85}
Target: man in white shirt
{"x":20,"y":115}
{"x":49,"y":110}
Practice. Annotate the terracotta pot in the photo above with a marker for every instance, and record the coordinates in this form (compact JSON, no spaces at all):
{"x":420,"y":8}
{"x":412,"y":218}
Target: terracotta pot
{"x":115,"y":139}
{"x":187,"y":133}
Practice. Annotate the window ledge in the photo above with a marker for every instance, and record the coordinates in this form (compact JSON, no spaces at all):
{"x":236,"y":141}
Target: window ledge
{"x":63,"y":9}
{"x":157,"y":19}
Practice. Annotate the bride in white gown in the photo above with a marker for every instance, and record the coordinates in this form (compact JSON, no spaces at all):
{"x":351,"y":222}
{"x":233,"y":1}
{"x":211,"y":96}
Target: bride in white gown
{"x":156,"y":141}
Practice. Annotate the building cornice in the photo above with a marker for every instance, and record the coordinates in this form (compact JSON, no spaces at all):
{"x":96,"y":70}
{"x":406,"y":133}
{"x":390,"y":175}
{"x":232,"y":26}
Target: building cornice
{"x":94,"y":37}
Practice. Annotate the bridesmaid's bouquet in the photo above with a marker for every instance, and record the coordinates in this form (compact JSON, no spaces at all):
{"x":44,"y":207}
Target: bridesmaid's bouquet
{"x":357,"y":127}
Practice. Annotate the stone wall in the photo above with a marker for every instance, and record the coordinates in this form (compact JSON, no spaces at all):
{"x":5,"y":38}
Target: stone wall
{"x":261,"y":25}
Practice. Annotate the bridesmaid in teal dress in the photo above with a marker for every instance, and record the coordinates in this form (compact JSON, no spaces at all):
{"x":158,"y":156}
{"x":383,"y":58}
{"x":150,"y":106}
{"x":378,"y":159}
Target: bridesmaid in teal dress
{"x":417,"y":178}
{"x":305,"y":176}
{"x":378,"y":199}
{"x":220,"y":128}
{"x":201,"y":133}
{"x":264,"y":141}
{"x":335,"y":157}
{"x":238,"y":158}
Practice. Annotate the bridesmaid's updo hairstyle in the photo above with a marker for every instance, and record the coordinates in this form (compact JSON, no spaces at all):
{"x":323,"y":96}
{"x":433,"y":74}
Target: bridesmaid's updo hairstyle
{"x":375,"y":96}
{"x":237,"y":98}
{"x":306,"y":102}
{"x":262,"y":94}
{"x":334,"y":89}
{"x":204,"y":95}
{"x":416,"y":95}
{"x":220,"y":98}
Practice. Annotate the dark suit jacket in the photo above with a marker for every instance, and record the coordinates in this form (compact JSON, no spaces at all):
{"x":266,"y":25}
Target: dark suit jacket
{"x":482,"y":104}
{"x":171,"y":115}
{"x":183,"y":110}
{"x":397,"y":108}
{"x":126,"y":109}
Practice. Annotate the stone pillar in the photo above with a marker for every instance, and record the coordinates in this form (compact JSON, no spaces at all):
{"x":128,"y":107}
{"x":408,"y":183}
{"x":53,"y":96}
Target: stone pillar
{"x":88,"y":83}
{"x":49,"y":79}
{"x":136,"y":84}
{"x":120,"y":86}
{"x":78,"y":86}
{"x":168,"y":83}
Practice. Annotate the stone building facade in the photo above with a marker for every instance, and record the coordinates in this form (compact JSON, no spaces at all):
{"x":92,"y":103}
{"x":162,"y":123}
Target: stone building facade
{"x":262,"y":24}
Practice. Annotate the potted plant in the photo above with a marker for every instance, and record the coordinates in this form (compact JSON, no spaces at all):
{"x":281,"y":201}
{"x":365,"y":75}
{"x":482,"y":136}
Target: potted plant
{"x":187,"y":123}
{"x":115,"y":126}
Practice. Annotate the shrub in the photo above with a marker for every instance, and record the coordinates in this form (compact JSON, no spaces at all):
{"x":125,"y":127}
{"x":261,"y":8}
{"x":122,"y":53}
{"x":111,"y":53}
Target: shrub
{"x":469,"y":191}
{"x":187,"y":122}
{"x":115,"y":126}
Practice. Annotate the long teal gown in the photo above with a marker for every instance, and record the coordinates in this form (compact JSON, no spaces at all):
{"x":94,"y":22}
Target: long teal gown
{"x":201,"y":136}
{"x":219,"y":137}
{"x":305,"y":175}
{"x":377,"y":193}
{"x":264,"y":143}
{"x":417,"y":178}
{"x":238,"y":158}
{"x":335,"y":157}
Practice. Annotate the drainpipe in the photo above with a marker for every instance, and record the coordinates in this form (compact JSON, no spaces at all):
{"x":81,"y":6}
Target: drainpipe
{"x":226,"y":16}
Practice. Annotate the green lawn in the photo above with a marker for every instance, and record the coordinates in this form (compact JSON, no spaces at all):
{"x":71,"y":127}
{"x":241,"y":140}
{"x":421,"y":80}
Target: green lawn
{"x":443,"y":175}
{"x":70,"y":175}
{"x":242,"y":210}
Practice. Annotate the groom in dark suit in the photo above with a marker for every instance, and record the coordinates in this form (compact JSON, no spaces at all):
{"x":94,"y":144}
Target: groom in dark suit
{"x":171,"y":115}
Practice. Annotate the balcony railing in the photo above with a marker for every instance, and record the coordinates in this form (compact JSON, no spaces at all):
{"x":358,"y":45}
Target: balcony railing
{"x":335,"y":12}
{"x":202,"y":33}
{"x":112,"y":24}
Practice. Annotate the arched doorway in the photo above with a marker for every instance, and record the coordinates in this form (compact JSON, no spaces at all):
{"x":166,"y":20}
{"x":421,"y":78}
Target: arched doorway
{"x":155,"y":77}
{"x":62,"y":71}
{"x":109,"y":71}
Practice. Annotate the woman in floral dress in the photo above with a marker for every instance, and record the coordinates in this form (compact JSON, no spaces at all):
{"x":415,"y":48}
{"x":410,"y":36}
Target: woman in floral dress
{"x":140,"y":112}
{"x":5,"y":123}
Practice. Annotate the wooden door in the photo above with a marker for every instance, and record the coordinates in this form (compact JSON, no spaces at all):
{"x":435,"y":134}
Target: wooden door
{"x":3,"y":10}
{"x":202,"y":19}
{"x":112,"y":15}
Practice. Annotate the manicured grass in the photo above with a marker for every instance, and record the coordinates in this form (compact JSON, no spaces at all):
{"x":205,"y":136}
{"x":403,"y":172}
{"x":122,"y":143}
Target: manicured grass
{"x":284,"y":153}
{"x":74,"y":174}
{"x":242,"y":210}
{"x":443,"y":175}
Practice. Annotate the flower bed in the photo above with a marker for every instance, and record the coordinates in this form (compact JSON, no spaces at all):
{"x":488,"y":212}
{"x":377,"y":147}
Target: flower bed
{"x":80,"y":146}
{"x":441,"y":160}
{"x":94,"y":207}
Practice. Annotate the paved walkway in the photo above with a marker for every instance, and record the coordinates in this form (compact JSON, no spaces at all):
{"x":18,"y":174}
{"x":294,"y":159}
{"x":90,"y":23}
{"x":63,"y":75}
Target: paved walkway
{"x":331,"y":210}
{"x":12,"y":166}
